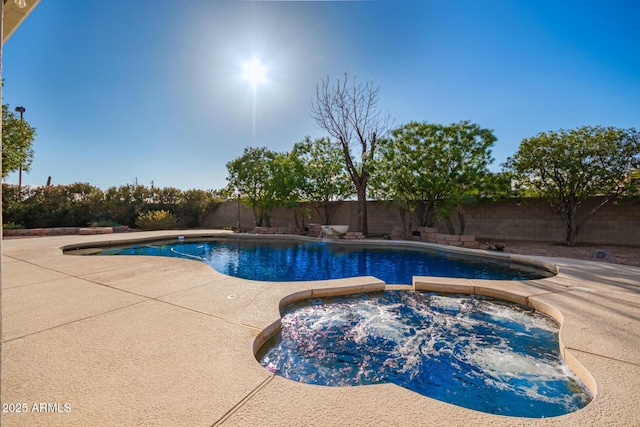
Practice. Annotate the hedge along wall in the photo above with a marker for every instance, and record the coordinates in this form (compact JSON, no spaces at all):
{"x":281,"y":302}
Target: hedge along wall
{"x":514,"y":219}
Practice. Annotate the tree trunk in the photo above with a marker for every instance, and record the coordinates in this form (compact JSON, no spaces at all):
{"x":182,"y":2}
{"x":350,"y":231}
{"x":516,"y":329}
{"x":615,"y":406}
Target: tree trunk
{"x":319,"y":212}
{"x":425,"y":214}
{"x":327,"y":214}
{"x":572,"y":235}
{"x":406,"y":216}
{"x":257,"y":216}
{"x":463,"y":223}
{"x":571,"y":229}
{"x":296,"y":221}
{"x":403,"y":218}
{"x":430,"y":215}
{"x":362,"y":207}
{"x":327,"y":211}
{"x":450,"y":228}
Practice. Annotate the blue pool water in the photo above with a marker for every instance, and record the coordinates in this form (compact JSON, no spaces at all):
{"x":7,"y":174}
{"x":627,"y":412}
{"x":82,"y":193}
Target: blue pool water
{"x":294,"y":260}
{"x":474,"y":352}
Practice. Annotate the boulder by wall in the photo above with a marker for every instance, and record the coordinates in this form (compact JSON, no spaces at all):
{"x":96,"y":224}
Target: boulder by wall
{"x":431,"y":235}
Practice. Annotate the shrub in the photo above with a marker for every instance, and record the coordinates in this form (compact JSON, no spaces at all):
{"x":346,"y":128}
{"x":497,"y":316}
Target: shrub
{"x":79,"y":204}
{"x":194,"y":205}
{"x":51,"y":206}
{"x":124,"y":204}
{"x":103,"y":223}
{"x":156,"y":220}
{"x":12,"y":226}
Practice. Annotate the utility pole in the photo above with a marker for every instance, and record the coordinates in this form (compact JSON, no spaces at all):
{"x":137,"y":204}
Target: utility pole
{"x":20,"y":110}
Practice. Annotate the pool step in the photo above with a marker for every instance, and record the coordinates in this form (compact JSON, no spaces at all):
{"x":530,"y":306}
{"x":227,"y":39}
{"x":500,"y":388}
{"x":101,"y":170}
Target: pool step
{"x":398,"y":288}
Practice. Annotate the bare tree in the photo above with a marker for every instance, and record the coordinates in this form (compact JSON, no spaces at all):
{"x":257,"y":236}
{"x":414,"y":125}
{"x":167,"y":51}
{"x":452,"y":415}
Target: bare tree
{"x":348,"y":111}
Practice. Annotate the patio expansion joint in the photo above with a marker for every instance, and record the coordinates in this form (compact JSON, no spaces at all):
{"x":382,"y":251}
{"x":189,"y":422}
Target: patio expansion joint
{"x":204,"y":313}
{"x":44,"y":267}
{"x":74,"y":321}
{"x":12,"y":257}
{"x":550,"y":292}
{"x":613,"y":359}
{"x":159,"y":300}
{"x":147,"y":299}
{"x":67,"y":276}
{"x":243,"y":401}
{"x":24,"y":285}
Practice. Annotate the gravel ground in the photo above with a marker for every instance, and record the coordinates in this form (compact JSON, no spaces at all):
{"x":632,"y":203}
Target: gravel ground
{"x":627,"y":255}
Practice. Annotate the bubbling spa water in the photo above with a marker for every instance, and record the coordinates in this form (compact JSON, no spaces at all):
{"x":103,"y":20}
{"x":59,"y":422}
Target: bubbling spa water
{"x":474,"y":352}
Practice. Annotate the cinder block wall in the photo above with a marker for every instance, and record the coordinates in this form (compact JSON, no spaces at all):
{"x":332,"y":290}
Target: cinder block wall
{"x":531,"y":219}
{"x":514,"y":219}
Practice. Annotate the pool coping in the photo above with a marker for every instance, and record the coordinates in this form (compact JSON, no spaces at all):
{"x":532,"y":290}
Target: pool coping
{"x":596,"y":303}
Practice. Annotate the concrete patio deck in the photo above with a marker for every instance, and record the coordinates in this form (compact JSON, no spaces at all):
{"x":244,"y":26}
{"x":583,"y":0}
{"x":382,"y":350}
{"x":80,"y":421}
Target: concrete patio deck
{"x":127,"y":341}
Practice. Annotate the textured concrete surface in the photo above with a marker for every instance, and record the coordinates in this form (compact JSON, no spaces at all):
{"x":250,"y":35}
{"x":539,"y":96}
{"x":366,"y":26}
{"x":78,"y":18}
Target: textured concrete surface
{"x":156,"y":341}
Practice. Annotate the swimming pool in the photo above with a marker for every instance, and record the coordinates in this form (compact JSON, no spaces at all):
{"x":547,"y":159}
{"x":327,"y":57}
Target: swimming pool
{"x":476,"y":352}
{"x":287,"y":260}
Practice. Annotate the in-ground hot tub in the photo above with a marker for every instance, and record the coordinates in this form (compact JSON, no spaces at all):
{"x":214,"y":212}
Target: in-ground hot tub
{"x":476,"y":352}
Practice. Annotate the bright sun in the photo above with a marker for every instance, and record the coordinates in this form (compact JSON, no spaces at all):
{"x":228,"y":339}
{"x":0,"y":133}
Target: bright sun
{"x":254,"y":72}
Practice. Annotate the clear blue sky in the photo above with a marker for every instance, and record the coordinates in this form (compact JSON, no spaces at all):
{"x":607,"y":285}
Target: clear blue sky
{"x":152,"y":89}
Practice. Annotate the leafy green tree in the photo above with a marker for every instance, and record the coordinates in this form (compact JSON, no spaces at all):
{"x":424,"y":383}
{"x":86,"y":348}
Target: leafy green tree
{"x":349,"y":112}
{"x":83,"y":203}
{"x":634,"y":187}
{"x":568,"y":167}
{"x":288,"y":179}
{"x":17,"y":139}
{"x":194,"y":205}
{"x":165,"y":197}
{"x":264,"y":180}
{"x":125,"y":203}
{"x":429,"y":168}
{"x":53,"y":206}
{"x":325,"y":181}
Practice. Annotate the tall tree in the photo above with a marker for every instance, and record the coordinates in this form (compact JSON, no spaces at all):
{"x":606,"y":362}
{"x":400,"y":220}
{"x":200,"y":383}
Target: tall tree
{"x":325,"y":182}
{"x":264,"y":180}
{"x":17,"y":139}
{"x":567,"y":167}
{"x":348,"y":111}
{"x":428,"y":168}
{"x":287,"y":181}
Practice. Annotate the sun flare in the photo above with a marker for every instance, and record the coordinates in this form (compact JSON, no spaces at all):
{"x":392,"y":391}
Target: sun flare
{"x":254,"y":72}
